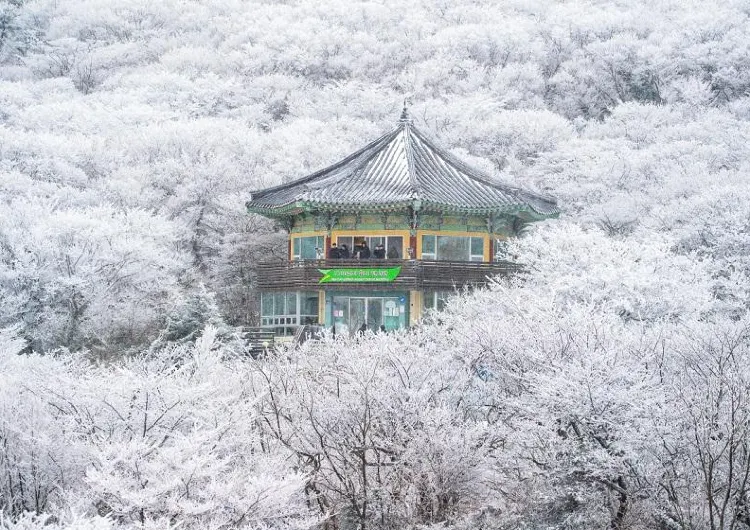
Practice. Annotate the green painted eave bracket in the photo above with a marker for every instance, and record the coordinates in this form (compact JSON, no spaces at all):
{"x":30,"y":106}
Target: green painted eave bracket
{"x":299,"y":207}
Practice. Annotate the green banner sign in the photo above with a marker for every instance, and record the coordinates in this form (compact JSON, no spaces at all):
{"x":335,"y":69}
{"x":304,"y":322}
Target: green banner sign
{"x":360,"y":274}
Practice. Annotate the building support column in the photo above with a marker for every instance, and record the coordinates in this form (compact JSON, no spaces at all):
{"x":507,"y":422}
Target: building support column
{"x":321,"y":308}
{"x":413,"y":247}
{"x":415,"y":307}
{"x":327,"y":245}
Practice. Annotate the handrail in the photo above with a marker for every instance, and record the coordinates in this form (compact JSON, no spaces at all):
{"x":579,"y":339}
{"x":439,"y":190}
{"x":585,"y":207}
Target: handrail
{"x":415,"y":274}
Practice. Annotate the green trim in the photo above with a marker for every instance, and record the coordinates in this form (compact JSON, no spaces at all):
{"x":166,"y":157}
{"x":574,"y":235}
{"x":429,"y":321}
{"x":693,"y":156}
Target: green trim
{"x":359,"y":275}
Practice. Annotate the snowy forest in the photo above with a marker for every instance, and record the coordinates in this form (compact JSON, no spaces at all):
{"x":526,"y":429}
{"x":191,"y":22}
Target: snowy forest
{"x":608,"y":386}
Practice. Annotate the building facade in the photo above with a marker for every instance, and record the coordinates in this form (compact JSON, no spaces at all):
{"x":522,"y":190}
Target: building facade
{"x":383,"y":235}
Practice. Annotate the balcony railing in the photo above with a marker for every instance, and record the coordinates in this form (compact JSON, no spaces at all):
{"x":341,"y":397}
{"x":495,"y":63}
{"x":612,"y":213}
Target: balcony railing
{"x":419,"y":275}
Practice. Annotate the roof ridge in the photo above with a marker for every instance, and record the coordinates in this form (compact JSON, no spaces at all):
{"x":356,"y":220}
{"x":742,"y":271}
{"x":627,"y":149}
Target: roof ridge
{"x":416,"y":188}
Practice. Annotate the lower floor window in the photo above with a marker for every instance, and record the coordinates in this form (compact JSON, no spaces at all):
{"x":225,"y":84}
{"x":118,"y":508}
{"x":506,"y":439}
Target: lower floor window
{"x":355,"y":314}
{"x":281,"y":310}
{"x":435,"y":300}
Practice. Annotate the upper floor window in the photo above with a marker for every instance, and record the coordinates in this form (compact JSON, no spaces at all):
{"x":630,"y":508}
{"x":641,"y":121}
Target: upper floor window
{"x":453,"y":248}
{"x":389,"y":247}
{"x":308,"y":247}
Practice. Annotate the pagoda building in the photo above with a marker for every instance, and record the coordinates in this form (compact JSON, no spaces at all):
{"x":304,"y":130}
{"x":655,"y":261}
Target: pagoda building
{"x":385,"y":234}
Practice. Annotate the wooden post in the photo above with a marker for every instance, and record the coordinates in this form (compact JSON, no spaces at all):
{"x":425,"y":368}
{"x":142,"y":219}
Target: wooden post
{"x":413,"y":246}
{"x":327,"y":246}
{"x":492,"y":248}
{"x":415,"y":307}
{"x":322,"y":308}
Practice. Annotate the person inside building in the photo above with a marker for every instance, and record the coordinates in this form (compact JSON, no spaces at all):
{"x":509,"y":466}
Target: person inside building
{"x":379,"y":252}
{"x":344,"y":252}
{"x":393,"y":253}
{"x":334,"y":252}
{"x":364,"y":251}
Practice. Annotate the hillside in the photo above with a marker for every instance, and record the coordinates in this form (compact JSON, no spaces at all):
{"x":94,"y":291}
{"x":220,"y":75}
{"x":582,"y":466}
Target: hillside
{"x":608,"y":387}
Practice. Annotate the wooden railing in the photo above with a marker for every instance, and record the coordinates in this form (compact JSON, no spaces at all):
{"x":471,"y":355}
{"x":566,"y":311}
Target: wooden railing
{"x":414,"y":275}
{"x":258,"y":341}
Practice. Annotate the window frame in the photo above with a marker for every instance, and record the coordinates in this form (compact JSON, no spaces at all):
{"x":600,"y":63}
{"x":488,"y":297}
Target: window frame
{"x":274,"y":317}
{"x":434,"y":254}
{"x":384,"y":238}
{"x":297,"y":247}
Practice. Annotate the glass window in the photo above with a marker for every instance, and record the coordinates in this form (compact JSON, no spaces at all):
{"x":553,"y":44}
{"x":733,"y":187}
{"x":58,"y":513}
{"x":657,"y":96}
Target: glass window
{"x":453,"y":248}
{"x":309,"y":304}
{"x":428,"y":244}
{"x":428,"y":301}
{"x":280,"y":310}
{"x":428,"y":247}
{"x":394,"y":247}
{"x":359,"y":244}
{"x":435,"y":300}
{"x":266,"y":304}
{"x":341,"y":315}
{"x":348,"y":241}
{"x":357,"y":314}
{"x":477,"y":249}
{"x":278,"y":303}
{"x":374,"y":313}
{"x":291,"y":304}
{"x":308,"y":247}
{"x":393,"y":244}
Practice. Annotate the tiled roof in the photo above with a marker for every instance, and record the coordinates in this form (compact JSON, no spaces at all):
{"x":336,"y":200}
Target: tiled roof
{"x":400,"y":169}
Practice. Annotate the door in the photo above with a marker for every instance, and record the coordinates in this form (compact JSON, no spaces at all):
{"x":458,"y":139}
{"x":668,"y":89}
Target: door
{"x":350,"y":315}
{"x":357,"y":314}
{"x":374,"y":313}
{"x":391,"y":314}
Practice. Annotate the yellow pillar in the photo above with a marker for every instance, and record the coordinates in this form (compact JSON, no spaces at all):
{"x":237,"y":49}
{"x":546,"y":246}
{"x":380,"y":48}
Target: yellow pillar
{"x":321,"y":307}
{"x":415,"y":307}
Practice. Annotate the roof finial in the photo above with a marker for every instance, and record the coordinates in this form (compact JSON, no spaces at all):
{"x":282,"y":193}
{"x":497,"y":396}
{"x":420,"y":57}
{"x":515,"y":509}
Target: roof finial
{"x":405,"y":118}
